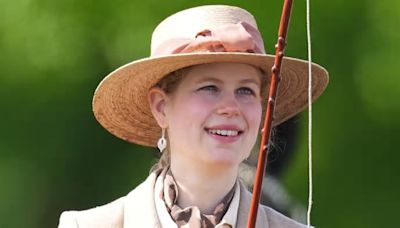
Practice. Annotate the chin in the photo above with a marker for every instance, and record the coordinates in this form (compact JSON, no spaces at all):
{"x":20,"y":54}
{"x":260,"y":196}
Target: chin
{"x":224,"y":160}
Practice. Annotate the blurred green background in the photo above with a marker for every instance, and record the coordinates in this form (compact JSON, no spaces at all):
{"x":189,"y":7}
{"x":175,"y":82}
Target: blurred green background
{"x":54,"y":156}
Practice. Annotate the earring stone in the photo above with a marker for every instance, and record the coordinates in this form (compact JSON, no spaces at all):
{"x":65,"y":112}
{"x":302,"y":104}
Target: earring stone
{"x":162,"y":142}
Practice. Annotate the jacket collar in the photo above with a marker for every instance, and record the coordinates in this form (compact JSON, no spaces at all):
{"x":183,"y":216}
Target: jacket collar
{"x":244,"y":208}
{"x":140,"y":209}
{"x":139,"y":206}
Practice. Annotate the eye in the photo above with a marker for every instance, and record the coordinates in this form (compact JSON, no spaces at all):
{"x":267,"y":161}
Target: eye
{"x":245,"y":91}
{"x":209,"y":88}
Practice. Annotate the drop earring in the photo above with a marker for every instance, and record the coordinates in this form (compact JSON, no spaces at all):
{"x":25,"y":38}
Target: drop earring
{"x":162,"y":142}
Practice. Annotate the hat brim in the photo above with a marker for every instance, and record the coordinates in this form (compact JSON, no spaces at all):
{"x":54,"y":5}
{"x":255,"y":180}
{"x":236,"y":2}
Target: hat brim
{"x":121,"y":106}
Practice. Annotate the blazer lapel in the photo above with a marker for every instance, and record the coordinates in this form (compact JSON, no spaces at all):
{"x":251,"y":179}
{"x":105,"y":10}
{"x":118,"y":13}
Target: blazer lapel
{"x":244,"y":208}
{"x":139,"y":208}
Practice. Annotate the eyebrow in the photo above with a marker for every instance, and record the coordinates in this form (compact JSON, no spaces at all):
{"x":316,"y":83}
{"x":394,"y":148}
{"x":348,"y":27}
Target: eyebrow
{"x":216,"y":80}
{"x":253,"y":81}
{"x":206,"y":79}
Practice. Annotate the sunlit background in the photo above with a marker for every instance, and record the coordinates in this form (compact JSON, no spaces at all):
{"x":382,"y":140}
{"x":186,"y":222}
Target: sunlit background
{"x":54,"y":156}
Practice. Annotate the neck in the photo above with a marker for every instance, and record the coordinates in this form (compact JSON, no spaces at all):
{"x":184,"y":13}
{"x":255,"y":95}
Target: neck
{"x":203,"y":186}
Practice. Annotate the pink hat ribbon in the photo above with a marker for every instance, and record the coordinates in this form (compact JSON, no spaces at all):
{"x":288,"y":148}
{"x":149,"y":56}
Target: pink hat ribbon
{"x":240,"y":37}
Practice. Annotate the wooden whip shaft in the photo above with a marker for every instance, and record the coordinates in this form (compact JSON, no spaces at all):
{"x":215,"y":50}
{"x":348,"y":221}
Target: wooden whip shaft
{"x":266,"y":130}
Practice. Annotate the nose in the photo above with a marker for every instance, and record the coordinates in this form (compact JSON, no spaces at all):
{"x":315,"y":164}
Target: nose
{"x":228,"y":106}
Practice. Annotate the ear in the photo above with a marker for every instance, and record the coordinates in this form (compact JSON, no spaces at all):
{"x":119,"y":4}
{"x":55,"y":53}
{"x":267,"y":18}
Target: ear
{"x":157,"y":99}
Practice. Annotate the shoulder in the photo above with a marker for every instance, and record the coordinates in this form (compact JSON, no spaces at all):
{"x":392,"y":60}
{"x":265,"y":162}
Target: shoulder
{"x":277,"y":220}
{"x":266,"y":216}
{"x":109,"y":215}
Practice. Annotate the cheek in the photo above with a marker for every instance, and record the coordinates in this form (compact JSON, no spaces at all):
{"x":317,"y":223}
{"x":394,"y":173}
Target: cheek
{"x":189,"y":112}
{"x":186,"y":118}
{"x":195,"y":105}
{"x":253,"y":113}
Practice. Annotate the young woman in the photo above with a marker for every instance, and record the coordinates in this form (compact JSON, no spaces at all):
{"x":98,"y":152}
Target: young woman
{"x":199,"y":99}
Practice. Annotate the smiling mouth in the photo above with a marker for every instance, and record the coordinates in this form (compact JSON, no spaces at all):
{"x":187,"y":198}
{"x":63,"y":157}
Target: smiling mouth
{"x":224,"y":132}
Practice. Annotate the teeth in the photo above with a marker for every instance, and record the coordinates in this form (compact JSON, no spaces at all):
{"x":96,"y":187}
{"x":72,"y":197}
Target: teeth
{"x":223,"y":132}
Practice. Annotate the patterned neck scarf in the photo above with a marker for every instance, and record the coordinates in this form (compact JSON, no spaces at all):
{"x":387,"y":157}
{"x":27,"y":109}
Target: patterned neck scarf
{"x":191,"y":216}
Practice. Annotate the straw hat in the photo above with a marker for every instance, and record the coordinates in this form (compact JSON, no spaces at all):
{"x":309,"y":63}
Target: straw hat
{"x":205,"y":34}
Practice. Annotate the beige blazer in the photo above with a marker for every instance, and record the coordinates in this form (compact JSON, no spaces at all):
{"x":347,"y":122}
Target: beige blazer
{"x":137,"y":210}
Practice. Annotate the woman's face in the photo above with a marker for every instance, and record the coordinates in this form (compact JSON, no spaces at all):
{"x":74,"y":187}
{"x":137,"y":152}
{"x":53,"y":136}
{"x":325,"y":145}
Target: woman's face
{"x":214,"y":114}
